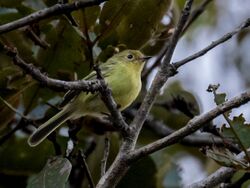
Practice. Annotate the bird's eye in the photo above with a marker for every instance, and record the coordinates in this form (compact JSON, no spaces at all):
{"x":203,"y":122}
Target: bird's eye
{"x":129,"y":56}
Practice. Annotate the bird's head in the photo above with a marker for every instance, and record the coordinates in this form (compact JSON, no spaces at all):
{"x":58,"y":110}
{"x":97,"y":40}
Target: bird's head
{"x":131,"y":56}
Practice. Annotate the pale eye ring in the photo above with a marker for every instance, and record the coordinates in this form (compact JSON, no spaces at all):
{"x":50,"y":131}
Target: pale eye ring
{"x":130,"y":56}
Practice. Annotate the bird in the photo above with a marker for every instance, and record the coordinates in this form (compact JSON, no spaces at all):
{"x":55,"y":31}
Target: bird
{"x":122,"y":74}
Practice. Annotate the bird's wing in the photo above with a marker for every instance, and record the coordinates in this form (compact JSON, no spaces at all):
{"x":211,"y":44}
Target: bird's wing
{"x":71,"y":94}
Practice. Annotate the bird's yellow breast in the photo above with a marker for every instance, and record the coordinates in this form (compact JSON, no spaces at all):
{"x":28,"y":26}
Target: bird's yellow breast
{"x":127,"y":82}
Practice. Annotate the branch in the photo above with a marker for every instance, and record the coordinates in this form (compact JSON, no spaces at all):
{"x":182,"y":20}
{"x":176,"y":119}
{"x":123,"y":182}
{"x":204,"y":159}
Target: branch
{"x":195,"y":14}
{"x":192,"y":140}
{"x":162,"y":130}
{"x":165,"y":71}
{"x":84,"y":85}
{"x":217,"y":177}
{"x":84,"y":165}
{"x":221,"y":40}
{"x":105,"y":155}
{"x":192,"y":126}
{"x":214,"y":179}
{"x":48,"y":12}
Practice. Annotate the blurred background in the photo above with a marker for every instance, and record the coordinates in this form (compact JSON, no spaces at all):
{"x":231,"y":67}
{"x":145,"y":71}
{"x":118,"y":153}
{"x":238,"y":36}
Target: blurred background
{"x":63,"y":53}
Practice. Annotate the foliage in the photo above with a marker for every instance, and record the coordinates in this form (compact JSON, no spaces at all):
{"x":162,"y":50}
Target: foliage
{"x":67,"y":52}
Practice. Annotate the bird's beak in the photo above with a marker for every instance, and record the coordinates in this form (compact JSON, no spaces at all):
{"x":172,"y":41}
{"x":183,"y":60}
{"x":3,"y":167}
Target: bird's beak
{"x":145,"y":58}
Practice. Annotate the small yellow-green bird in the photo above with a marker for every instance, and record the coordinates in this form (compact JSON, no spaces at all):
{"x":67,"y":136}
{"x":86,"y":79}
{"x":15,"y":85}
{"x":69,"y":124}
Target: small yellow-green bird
{"x":122,"y":73}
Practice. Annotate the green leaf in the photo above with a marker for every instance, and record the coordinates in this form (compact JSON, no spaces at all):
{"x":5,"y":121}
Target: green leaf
{"x":67,"y":52}
{"x":18,"y":158}
{"x":137,"y":26}
{"x":54,"y":174}
{"x":130,"y":22}
{"x":9,"y":16}
{"x":88,"y":14}
{"x":219,"y":98}
{"x":10,"y":4}
{"x":34,"y":96}
{"x":242,"y":130}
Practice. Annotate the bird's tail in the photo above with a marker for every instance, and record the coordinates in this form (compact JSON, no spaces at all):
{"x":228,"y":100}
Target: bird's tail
{"x":49,"y":126}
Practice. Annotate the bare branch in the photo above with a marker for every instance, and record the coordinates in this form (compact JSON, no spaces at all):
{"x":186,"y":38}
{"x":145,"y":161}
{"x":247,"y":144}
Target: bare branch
{"x":84,"y":165}
{"x":48,"y":12}
{"x":33,"y":36}
{"x":161,"y":129}
{"x":105,"y":155}
{"x":162,"y":75}
{"x":192,"y":126}
{"x":84,"y":85}
{"x":224,"y":38}
{"x":217,"y":177}
{"x":214,"y":179}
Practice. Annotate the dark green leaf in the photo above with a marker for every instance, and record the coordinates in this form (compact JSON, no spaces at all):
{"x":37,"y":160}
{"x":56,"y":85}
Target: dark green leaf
{"x":67,"y":52}
{"x":130,"y":22}
{"x":17,"y":157}
{"x":140,"y":175}
{"x":10,"y":4}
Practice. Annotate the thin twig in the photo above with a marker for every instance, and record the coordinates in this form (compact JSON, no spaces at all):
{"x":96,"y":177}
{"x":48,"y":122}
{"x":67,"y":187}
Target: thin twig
{"x":85,"y":166}
{"x":36,"y":39}
{"x":12,"y":108}
{"x":48,"y":12}
{"x":23,"y":122}
{"x":224,"y":38}
{"x":105,"y":155}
